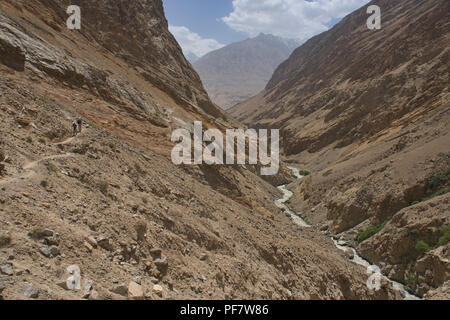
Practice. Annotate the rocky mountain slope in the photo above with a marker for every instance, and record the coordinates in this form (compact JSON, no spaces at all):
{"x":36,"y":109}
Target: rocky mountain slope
{"x":367,"y":112}
{"x":240,"y":70}
{"x":110,"y":201}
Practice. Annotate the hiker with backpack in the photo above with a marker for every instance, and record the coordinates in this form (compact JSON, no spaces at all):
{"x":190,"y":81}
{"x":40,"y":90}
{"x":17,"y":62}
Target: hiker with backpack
{"x":79,"y":124}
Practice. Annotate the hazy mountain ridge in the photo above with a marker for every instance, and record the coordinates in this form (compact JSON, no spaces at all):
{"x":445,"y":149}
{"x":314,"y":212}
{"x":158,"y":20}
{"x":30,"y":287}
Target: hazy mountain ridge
{"x":240,"y":70}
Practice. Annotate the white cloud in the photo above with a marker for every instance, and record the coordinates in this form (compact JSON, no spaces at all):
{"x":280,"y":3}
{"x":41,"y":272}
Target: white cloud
{"x":297,"y":19}
{"x":192,"y":42}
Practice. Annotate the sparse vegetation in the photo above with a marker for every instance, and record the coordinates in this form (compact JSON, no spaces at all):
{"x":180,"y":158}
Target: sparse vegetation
{"x":55,"y":133}
{"x":141,"y":230}
{"x":5,"y":240}
{"x":445,"y":235}
{"x":438,"y":180}
{"x":422,"y":246}
{"x":29,"y":139}
{"x":145,"y":200}
{"x":411,"y":279}
{"x":327,"y":173}
{"x":434,"y":184}
{"x":37,"y":233}
{"x":369,"y":232}
{"x":436,"y":194}
{"x":44,"y":184}
{"x":103,"y":186}
{"x":42,"y":140}
{"x":51,"y":167}
{"x":83,"y":149}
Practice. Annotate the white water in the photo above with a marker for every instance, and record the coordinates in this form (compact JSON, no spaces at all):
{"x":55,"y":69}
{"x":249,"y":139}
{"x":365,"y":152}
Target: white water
{"x":296,"y":219}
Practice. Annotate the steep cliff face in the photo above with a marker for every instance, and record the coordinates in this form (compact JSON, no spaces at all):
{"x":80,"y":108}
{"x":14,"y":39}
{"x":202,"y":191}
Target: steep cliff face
{"x":135,"y":32}
{"x":368,"y":113}
{"x":350,"y":83}
{"x":109,"y":199}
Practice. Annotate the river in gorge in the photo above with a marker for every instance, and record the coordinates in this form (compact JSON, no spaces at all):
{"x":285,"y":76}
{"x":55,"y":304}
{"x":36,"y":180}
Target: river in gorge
{"x":373,"y":270}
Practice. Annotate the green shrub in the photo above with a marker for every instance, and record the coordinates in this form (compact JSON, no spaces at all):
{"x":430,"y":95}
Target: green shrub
{"x":304,"y":172}
{"x":410,"y":279}
{"x":439,"y":179}
{"x":431,"y":196}
{"x":422,"y":246}
{"x":369,"y":232}
{"x":445,"y":235}
{"x":436,"y":194}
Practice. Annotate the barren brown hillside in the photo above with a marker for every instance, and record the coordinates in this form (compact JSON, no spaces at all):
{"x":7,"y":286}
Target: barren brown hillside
{"x":110,"y":200}
{"x":367,"y":112}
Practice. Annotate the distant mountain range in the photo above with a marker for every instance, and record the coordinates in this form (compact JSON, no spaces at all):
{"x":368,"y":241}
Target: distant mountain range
{"x":240,"y":70}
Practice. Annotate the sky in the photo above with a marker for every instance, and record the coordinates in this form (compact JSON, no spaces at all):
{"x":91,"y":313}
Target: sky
{"x":201,"y":26}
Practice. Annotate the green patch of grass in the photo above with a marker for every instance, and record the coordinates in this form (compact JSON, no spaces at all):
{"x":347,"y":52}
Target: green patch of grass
{"x":42,"y":140}
{"x":5,"y":240}
{"x":445,"y":235}
{"x":369,"y":232}
{"x":422,"y":246}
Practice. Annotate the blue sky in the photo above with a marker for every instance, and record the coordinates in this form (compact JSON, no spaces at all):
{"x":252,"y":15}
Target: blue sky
{"x":201,"y":26}
{"x":203,"y":18}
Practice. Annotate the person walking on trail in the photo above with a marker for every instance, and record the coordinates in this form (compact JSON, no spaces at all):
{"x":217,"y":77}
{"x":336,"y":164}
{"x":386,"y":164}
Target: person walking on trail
{"x":74,"y":126}
{"x":79,"y":124}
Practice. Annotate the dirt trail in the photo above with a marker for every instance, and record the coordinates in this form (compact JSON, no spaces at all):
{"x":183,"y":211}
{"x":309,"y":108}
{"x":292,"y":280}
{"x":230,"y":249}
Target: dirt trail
{"x":28,"y":167}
